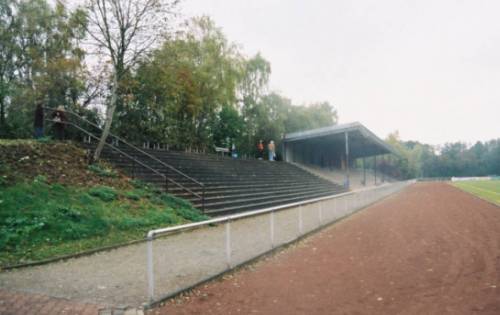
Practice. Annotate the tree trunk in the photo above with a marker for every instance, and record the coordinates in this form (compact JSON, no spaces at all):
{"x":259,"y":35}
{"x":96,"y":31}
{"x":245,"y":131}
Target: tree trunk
{"x":109,"y":119}
{"x":2,"y":114}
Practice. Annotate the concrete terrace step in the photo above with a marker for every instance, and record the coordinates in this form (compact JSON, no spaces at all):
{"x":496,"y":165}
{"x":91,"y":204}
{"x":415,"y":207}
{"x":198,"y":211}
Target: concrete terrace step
{"x":225,"y":196}
{"x":261,"y":205}
{"x":230,"y":185}
{"x":252,"y":199}
{"x":254,"y":190}
{"x":248,"y":187}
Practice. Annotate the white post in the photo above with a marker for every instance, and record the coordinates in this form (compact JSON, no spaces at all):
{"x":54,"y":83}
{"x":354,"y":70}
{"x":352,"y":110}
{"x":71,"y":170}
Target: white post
{"x":320,"y":213}
{"x":300,"y":220}
{"x":335,"y":209}
{"x":228,"y":244}
{"x":271,"y":223}
{"x":151,"y":279}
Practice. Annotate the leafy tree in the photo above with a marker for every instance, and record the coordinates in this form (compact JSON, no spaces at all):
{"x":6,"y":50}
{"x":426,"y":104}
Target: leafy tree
{"x":228,"y":128}
{"x":255,"y":78}
{"x":180,"y":91}
{"x":41,"y":60}
{"x":451,"y":159}
{"x":8,"y":50}
{"x":123,"y":31}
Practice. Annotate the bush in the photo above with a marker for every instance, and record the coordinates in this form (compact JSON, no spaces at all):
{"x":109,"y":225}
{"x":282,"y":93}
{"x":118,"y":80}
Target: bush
{"x":175,"y":202}
{"x":3,"y":180}
{"x":46,"y":139}
{"x":102,"y":171}
{"x":104,"y":193}
{"x":132,"y":195}
{"x":40,"y":179}
{"x":137,"y":183}
{"x":191,"y":214}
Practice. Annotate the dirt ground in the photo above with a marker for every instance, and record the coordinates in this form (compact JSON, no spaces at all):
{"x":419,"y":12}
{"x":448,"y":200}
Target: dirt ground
{"x":431,"y":249}
{"x":59,"y":162}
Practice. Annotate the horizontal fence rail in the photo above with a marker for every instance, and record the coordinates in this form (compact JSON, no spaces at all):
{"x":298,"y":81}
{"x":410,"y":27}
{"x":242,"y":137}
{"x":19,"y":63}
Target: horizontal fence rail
{"x":226,"y":242}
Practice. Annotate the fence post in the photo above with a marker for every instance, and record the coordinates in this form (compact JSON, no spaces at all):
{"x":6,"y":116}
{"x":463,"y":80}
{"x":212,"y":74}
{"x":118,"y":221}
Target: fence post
{"x":151,"y":279}
{"x":133,"y":169}
{"x":271,"y":223}
{"x":320,"y":213}
{"x":335,"y":213}
{"x":345,"y":204}
{"x":203,"y":198}
{"x":300,"y":220}
{"x":228,"y":244}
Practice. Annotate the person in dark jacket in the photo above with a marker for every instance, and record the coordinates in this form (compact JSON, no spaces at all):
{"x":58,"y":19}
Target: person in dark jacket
{"x":38,"y":121}
{"x":260,"y":150}
{"x":59,"y":119}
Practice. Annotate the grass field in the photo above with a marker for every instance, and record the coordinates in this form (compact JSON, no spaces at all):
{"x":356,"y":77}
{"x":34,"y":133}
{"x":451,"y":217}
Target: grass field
{"x":486,"y":189}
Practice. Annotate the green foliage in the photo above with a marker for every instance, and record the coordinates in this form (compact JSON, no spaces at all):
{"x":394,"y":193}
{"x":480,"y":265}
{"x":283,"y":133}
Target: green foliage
{"x":137,"y":183}
{"x":132,"y":195}
{"x":228,"y":127}
{"x":40,"y":60}
{"x":102,"y":170}
{"x":105,"y":193}
{"x":191,"y":214}
{"x":180,"y":89}
{"x":452,"y":159}
{"x":39,"y":220}
{"x":40,"y":179}
{"x":198,"y":90}
{"x":46,"y":139}
{"x":3,"y":180}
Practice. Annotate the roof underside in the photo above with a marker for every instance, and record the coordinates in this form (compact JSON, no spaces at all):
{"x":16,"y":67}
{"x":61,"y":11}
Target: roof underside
{"x":362,"y":142}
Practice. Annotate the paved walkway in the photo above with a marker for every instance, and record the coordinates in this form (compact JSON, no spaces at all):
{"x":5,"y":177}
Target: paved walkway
{"x":17,"y":303}
{"x":431,"y":249}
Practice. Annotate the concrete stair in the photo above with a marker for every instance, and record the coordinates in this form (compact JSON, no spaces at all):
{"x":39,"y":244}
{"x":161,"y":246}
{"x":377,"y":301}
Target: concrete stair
{"x":231,"y":185}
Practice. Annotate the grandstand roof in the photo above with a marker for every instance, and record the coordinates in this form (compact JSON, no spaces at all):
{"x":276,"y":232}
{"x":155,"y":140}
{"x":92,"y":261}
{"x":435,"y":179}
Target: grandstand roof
{"x":362,"y":142}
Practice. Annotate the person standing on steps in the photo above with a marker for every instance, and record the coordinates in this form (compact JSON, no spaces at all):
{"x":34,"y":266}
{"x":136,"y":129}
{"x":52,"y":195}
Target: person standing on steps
{"x":260,"y":150}
{"x":234,"y":153}
{"x":38,"y":121}
{"x":272,"y":150}
{"x":59,"y":119}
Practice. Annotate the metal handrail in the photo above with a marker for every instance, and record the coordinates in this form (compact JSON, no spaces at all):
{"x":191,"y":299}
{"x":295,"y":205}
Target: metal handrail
{"x":133,"y":147}
{"x":202,"y":196}
{"x":153,"y":234}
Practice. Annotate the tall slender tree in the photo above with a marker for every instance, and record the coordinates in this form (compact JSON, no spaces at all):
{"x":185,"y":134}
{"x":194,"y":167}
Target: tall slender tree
{"x":123,"y":31}
{"x":8,"y":47}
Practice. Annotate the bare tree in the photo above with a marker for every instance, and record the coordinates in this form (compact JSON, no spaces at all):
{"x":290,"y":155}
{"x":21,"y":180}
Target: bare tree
{"x":123,"y":31}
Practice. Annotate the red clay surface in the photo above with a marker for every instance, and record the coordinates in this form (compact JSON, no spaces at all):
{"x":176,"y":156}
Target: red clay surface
{"x":431,"y":249}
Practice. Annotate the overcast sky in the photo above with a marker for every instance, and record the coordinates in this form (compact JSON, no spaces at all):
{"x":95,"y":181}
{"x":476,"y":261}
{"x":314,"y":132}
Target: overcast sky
{"x":430,"y":69}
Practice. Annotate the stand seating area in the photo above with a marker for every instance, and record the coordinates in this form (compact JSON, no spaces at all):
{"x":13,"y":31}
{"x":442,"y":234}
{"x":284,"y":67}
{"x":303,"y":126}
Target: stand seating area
{"x":230,"y":185}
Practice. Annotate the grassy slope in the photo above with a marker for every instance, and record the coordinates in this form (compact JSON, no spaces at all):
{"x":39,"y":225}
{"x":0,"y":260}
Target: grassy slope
{"x":487,"y":189}
{"x":41,"y":218}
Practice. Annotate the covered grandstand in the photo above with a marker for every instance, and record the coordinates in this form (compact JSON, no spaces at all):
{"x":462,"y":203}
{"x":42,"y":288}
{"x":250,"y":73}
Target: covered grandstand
{"x":335,"y":148}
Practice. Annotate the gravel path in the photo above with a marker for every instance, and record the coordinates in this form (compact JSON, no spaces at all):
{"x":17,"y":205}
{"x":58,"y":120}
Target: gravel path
{"x":431,"y":249}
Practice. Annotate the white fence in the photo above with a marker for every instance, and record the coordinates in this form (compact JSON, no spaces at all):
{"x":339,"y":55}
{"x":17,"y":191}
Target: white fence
{"x":459,"y":179}
{"x":183,"y":256}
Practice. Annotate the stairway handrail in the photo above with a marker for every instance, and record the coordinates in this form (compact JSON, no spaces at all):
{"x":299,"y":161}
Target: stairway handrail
{"x":134,"y":159}
{"x":133,"y":147}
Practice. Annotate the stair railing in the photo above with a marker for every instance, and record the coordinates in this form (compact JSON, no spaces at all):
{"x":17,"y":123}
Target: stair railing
{"x":166,"y":178}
